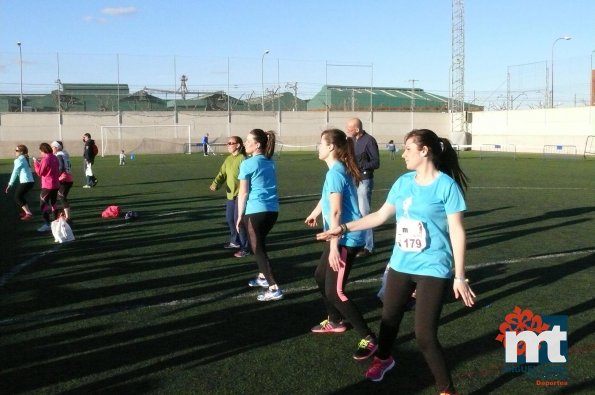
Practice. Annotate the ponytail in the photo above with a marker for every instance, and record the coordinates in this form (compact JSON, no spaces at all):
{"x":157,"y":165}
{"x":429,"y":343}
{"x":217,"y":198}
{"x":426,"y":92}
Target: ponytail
{"x":443,"y":155}
{"x":266,"y":140}
{"x":345,"y":151}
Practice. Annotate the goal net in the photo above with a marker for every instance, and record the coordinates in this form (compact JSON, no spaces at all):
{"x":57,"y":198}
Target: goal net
{"x":560,"y":151}
{"x":144,"y":139}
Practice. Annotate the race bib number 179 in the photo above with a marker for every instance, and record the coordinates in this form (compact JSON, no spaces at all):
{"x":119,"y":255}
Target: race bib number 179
{"x":411,"y":235}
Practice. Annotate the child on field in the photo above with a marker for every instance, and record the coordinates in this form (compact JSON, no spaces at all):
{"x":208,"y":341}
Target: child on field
{"x":122,"y":158}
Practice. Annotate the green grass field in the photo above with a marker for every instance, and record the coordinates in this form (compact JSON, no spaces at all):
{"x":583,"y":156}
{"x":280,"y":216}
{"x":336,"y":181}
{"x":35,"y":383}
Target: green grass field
{"x":157,"y":306}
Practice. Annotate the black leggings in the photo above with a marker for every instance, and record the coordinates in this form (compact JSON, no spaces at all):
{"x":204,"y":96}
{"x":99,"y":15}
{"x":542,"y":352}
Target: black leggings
{"x":47,"y":200}
{"x":63,"y":193}
{"x":430,"y":294}
{"x":258,"y":226}
{"x":21,"y":191}
{"x":331,"y":285}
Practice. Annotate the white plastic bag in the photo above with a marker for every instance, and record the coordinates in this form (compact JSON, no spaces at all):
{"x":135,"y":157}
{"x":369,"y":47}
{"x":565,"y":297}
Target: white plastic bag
{"x":61,"y":231}
{"x":89,"y":170}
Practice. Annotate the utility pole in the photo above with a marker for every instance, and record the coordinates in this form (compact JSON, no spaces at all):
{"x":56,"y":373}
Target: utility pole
{"x":412,"y":99}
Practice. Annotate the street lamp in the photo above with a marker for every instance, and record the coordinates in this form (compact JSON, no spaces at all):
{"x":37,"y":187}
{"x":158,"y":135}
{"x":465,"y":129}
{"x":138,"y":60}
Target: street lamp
{"x":555,"y":41}
{"x":21,"y":67}
{"x":262,"y":76}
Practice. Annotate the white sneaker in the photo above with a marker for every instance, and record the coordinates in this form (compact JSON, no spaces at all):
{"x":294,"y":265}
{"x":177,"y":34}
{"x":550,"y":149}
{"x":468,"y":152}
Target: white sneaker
{"x":44,"y":228}
{"x":86,"y":186}
{"x":269,"y":295}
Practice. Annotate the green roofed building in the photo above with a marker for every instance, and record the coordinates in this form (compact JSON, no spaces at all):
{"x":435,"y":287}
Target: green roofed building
{"x":359,"y":98}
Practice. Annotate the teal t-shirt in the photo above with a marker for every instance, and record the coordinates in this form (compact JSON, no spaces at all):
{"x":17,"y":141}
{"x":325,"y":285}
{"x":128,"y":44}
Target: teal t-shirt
{"x":262,"y":175}
{"x":429,"y":204}
{"x":338,"y":181}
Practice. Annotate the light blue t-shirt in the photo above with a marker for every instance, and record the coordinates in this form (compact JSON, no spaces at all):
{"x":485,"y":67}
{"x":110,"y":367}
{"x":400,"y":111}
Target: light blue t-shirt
{"x":429,"y":204}
{"x":338,"y":181}
{"x":261,"y":174}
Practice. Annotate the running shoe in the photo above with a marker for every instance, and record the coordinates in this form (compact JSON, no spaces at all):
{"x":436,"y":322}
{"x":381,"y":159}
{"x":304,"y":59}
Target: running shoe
{"x":241,"y":253}
{"x":231,"y":246}
{"x":379,"y":368}
{"x":86,"y":186}
{"x":328,"y":326}
{"x":44,"y":228}
{"x":366,"y":348}
{"x":26,"y":217}
{"x":258,"y":282}
{"x":270,"y":294}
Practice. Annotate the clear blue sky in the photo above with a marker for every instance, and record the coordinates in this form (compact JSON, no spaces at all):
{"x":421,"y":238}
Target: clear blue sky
{"x":137,"y":41}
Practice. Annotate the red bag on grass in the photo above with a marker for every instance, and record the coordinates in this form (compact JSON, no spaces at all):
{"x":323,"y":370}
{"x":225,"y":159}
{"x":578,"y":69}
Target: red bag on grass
{"x":111,"y":212}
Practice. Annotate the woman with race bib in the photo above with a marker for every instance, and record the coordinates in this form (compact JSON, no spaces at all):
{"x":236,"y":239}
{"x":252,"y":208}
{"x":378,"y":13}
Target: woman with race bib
{"x":428,"y":204}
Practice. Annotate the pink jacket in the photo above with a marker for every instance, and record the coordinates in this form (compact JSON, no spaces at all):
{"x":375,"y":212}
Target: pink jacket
{"x":48,"y":169}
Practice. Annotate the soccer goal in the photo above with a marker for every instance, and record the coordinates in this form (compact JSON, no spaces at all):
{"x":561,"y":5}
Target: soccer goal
{"x":144,"y":139}
{"x":497,"y":151}
{"x":589,"y":147}
{"x":559,"y":151}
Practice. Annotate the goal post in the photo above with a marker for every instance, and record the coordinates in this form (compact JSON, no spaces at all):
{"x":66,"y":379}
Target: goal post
{"x":139,"y":139}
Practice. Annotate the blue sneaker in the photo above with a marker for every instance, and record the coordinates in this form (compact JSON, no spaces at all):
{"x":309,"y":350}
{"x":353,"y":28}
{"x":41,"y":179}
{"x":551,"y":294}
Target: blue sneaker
{"x":258,"y":282}
{"x":270,"y":294}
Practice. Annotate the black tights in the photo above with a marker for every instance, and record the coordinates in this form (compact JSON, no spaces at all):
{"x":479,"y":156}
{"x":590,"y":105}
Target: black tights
{"x":430,"y":293}
{"x":331,"y":285}
{"x":258,"y":226}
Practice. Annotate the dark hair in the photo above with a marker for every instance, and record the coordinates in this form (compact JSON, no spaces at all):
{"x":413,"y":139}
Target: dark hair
{"x":23,"y":149}
{"x":45,"y":148}
{"x":238,"y":140}
{"x":87,"y":134}
{"x":345,"y":151}
{"x":266,"y":141}
{"x":391,"y":142}
{"x":441,"y":153}
{"x":61,"y":143}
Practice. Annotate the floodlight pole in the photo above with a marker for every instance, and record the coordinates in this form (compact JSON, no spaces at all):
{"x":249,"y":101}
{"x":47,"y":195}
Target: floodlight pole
{"x":21,"y":67}
{"x":262,"y":77}
{"x":555,"y":41}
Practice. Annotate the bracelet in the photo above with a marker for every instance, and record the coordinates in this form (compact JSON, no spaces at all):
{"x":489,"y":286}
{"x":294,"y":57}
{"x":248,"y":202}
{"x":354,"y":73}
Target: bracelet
{"x":462,"y":279}
{"x":344,"y":228}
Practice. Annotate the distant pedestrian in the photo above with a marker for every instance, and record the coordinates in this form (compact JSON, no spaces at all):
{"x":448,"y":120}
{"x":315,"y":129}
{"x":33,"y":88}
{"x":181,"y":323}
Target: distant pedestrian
{"x":22,"y":171}
{"x":258,"y":206}
{"x":89,"y":154}
{"x":48,"y":169}
{"x":122,"y":158}
{"x":205,"y":144}
{"x":392,"y":149}
{"x":65,"y":178}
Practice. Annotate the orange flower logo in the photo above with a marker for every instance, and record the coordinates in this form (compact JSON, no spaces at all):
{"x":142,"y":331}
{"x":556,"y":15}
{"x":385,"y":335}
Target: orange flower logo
{"x":520,"y":321}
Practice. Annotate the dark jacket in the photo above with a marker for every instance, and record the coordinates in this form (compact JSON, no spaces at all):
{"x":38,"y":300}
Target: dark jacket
{"x":88,"y":154}
{"x":367,"y":155}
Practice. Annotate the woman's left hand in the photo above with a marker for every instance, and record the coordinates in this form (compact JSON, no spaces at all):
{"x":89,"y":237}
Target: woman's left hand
{"x":329,"y":234}
{"x":462,"y":289}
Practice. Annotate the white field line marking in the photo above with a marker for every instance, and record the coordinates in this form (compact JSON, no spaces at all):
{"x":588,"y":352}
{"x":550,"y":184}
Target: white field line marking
{"x":252,"y":294}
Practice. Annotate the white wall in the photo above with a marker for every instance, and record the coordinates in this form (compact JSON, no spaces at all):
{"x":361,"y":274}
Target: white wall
{"x":529,"y":130}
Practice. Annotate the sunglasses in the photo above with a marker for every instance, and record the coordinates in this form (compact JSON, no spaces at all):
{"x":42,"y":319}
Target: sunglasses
{"x":231,"y":143}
